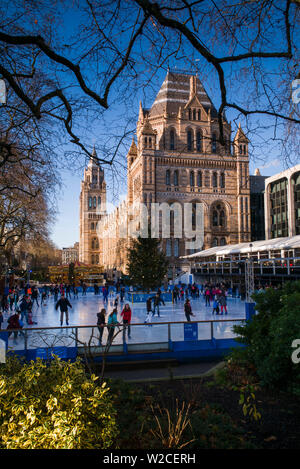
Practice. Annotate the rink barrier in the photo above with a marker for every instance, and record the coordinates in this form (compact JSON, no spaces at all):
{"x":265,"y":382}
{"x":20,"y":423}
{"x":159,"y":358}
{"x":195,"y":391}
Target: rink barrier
{"x":188,"y":349}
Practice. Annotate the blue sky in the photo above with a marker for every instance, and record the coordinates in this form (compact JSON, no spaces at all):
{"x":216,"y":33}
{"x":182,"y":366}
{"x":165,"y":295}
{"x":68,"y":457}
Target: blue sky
{"x":266,"y":157}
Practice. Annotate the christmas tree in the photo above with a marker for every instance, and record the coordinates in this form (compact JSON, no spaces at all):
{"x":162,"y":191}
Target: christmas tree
{"x":147,"y":264}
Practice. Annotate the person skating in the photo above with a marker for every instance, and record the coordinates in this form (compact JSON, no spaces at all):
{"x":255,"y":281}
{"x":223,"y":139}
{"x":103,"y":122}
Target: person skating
{"x":223,"y":303}
{"x":126,"y":315}
{"x":215,"y":307}
{"x":34,"y":296}
{"x":101,"y":323}
{"x":156,"y":303}
{"x":112,"y":323}
{"x":63,"y":304}
{"x":188,"y":310}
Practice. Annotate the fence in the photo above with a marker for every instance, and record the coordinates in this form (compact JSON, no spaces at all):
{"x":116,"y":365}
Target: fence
{"x":160,"y":337}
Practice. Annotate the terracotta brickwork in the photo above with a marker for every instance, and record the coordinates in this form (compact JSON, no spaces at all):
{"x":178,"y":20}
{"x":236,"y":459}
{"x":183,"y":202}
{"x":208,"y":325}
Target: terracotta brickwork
{"x":177,"y":157}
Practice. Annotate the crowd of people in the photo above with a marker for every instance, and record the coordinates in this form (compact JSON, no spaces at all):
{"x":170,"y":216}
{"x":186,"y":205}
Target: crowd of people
{"x":18,"y":304}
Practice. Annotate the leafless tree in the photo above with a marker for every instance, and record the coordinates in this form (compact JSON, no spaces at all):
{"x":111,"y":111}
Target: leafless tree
{"x":68,"y":64}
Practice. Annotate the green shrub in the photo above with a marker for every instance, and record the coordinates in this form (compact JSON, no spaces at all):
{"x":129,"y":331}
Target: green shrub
{"x":269,"y":337}
{"x":54,"y":406}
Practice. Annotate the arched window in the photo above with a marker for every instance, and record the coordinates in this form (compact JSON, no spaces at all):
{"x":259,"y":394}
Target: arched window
{"x":92,"y":226}
{"x":176,"y":179}
{"x":172,"y":140}
{"x":97,"y":259}
{"x":90,"y":202}
{"x":199,"y":141}
{"x":199,"y":115}
{"x":190,"y":114}
{"x":189,"y":140}
{"x":194,"y":114}
{"x":168,"y":178}
{"x":218,"y":216}
{"x":95,"y":243}
{"x":192,"y":178}
{"x":215,"y":180}
{"x":215,"y":218}
{"x":214,"y":143}
{"x":199,"y":179}
{"x":222,"y":242}
{"x":93,"y":259}
{"x":215,"y":242}
{"x":222,"y":180}
{"x":99,"y":201}
{"x":222,"y":218}
{"x":95,"y":202}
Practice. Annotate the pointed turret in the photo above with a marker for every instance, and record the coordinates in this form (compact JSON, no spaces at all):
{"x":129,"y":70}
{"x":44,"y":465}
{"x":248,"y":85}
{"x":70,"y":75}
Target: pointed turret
{"x":93,"y":161}
{"x":133,"y":148}
{"x":240,"y":142}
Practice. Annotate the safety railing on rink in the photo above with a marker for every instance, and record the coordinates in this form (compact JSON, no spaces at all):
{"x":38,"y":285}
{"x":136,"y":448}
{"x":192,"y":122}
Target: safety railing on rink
{"x":139,"y":337}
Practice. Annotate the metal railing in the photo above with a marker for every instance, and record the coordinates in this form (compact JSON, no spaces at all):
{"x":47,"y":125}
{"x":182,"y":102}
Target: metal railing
{"x":143,"y":336}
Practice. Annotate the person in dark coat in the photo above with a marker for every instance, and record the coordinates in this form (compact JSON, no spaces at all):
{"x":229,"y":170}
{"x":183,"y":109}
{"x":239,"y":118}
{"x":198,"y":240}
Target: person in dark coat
{"x":63,"y":304}
{"x":188,"y":310}
{"x":101,"y":324}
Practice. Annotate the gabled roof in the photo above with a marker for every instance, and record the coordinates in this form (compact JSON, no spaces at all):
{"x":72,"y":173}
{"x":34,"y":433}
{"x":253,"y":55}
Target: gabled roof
{"x":175,"y":92}
{"x":240,"y":136}
{"x":147,"y":128}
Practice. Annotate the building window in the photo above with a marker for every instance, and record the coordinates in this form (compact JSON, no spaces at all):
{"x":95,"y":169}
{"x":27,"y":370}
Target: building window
{"x":168,"y":178}
{"x":189,"y":140}
{"x":190,"y":114}
{"x":95,"y":202}
{"x":194,"y":114}
{"x":218,"y":216}
{"x":176,"y":178}
{"x":215,"y":180}
{"x":222,"y":242}
{"x":222,"y":180}
{"x":296,"y":190}
{"x":99,"y":201}
{"x":92,"y":226}
{"x":168,"y":248}
{"x":192,"y":179}
{"x":176,"y":247}
{"x":214,"y":143}
{"x":90,"y":202}
{"x":199,"y":141}
{"x":279,"y":208}
{"x":199,"y":115}
{"x":95,"y":243}
{"x":215,"y":242}
{"x":199,"y":179}
{"x":172,"y":140}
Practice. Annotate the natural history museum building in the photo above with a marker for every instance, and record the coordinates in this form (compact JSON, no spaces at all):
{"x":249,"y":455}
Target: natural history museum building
{"x":175,"y":159}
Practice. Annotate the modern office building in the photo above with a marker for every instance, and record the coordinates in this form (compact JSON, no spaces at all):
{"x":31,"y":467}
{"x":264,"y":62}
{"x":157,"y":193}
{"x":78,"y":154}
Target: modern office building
{"x":282,"y":204}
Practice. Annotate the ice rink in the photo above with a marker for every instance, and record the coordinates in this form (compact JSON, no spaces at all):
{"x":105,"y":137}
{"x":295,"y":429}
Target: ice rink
{"x":84,"y":313}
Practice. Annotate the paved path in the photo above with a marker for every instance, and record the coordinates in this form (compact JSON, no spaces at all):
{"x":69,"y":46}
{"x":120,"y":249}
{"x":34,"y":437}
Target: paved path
{"x":182,"y":371}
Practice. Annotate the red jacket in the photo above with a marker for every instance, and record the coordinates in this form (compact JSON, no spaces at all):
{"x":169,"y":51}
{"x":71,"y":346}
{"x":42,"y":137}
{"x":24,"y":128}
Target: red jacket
{"x":126,"y":314}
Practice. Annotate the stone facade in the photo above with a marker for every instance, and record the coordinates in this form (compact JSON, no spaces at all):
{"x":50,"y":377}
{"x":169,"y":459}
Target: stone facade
{"x":92,"y":209}
{"x":177,"y":158}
